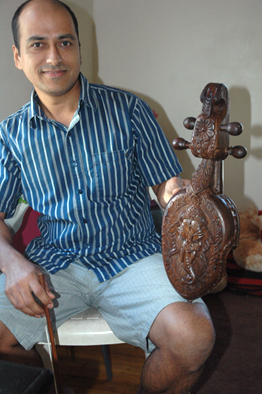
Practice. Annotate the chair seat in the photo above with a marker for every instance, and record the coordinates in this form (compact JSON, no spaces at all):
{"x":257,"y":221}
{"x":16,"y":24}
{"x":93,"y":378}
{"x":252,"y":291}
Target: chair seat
{"x":86,"y":328}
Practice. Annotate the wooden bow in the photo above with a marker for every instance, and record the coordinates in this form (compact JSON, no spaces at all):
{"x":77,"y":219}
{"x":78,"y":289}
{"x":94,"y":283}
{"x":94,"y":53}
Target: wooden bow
{"x":54,"y":358}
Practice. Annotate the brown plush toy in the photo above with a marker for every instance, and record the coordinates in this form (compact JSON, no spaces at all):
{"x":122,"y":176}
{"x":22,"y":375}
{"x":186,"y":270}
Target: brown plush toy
{"x":248,"y":254}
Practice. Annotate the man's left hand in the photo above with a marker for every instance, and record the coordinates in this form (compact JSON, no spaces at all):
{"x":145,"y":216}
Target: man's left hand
{"x":167,"y":189}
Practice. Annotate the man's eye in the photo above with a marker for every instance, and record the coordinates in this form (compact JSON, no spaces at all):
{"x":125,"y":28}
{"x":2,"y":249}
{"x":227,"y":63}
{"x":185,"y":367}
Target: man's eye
{"x":65,"y":43}
{"x":37,"y":44}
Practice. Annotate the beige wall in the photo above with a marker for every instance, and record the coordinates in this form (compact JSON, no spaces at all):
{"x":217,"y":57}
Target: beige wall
{"x":166,"y":51}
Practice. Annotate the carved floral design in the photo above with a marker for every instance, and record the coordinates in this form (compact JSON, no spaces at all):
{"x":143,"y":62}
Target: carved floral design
{"x":203,"y":138}
{"x":204,"y":130}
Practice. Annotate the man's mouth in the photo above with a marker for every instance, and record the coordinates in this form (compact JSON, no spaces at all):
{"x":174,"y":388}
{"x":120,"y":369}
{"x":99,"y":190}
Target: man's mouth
{"x":55,"y":73}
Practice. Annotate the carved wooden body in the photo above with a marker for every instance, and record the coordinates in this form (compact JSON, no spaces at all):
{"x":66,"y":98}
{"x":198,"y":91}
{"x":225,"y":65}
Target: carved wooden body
{"x":200,"y":224}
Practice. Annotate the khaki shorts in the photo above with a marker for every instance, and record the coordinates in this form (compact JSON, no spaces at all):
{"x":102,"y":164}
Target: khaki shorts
{"x":129,"y":302}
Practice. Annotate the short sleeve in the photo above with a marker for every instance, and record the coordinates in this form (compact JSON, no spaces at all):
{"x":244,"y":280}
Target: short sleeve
{"x":156,"y":158}
{"x":10,"y":180}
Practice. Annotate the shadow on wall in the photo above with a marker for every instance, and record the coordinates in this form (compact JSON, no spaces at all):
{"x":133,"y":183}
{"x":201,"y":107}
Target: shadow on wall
{"x":240,"y":111}
{"x":86,"y":32}
{"x":171,"y":133}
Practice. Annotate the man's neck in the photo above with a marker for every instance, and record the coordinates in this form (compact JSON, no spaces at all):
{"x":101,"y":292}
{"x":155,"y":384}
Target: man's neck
{"x":60,"y":108}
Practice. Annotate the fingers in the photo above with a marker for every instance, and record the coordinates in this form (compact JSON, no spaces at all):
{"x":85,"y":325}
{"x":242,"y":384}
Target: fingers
{"x":28,"y":296}
{"x":186,"y":182}
{"x":180,"y":183}
{"x":41,"y":292}
{"x":44,"y":284}
{"x":24,"y":301}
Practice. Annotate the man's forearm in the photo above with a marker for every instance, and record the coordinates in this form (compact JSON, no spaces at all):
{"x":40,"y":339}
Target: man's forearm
{"x":6,"y":248}
{"x":159,"y":191}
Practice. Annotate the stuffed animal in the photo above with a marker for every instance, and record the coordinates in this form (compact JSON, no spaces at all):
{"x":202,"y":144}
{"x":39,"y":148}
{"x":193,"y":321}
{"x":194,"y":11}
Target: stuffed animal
{"x":248,"y":254}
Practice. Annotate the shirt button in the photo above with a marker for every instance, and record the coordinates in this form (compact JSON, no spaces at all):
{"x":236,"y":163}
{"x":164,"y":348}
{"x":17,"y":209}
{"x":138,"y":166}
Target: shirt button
{"x":80,"y":191}
{"x":75,"y":164}
{"x":84,"y":221}
{"x":69,"y":133}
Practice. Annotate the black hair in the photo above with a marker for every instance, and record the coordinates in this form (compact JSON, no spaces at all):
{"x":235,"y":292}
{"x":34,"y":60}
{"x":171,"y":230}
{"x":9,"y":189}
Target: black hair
{"x":15,"y":21}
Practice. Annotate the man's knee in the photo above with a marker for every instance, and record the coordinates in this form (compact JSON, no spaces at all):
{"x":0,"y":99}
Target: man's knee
{"x":199,"y":337}
{"x":186,"y":332}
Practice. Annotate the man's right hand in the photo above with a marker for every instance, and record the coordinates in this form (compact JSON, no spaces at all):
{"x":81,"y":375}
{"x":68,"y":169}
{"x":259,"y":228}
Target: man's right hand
{"x":22,"y":286}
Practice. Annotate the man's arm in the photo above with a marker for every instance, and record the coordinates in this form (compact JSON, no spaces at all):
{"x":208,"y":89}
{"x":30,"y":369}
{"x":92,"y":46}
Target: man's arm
{"x":164,"y":191}
{"x":22,"y":277}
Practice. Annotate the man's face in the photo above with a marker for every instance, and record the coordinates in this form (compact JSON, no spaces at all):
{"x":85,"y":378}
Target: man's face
{"x":49,"y":48}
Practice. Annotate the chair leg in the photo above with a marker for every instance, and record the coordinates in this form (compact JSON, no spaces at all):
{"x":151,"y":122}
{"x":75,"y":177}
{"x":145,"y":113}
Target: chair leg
{"x":107,"y":362}
{"x":43,"y":351}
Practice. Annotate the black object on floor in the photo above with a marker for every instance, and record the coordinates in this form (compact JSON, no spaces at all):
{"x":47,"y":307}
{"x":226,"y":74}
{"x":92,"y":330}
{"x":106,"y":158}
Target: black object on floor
{"x":24,"y":379}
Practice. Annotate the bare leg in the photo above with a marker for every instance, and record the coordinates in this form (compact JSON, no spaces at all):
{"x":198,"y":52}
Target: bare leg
{"x":11,"y":350}
{"x":184,"y":337}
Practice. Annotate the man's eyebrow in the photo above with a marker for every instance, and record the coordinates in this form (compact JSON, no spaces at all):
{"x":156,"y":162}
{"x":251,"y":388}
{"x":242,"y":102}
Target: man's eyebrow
{"x":35,"y":38}
{"x":62,"y":37}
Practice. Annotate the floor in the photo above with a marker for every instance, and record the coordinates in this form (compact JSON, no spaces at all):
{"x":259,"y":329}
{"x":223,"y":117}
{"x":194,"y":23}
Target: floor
{"x":83,"y":369}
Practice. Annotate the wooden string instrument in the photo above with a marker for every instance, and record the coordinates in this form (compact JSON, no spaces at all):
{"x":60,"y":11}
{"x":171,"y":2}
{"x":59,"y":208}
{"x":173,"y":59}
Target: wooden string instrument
{"x":200,"y":224}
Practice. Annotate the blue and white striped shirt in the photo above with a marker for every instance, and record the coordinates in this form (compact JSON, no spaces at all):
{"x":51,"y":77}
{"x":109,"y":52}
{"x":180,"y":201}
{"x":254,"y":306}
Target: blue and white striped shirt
{"x":89,"y":180}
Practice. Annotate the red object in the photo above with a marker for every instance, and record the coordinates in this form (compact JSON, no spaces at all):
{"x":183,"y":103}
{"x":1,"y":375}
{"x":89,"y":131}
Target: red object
{"x":27,"y":231}
{"x":155,"y":114}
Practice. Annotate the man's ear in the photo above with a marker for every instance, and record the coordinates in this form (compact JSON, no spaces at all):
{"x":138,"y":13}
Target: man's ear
{"x":16,"y":57}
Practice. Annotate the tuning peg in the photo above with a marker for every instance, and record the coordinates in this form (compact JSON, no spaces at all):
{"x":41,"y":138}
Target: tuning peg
{"x":189,"y":123}
{"x":181,"y":144}
{"x":238,"y":151}
{"x":233,"y":128}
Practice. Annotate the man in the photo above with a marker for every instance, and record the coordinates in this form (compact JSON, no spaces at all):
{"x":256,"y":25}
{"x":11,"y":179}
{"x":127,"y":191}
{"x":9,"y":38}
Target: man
{"x":82,"y":155}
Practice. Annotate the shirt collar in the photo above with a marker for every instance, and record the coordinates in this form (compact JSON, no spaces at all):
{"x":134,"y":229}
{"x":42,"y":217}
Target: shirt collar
{"x":86,"y":96}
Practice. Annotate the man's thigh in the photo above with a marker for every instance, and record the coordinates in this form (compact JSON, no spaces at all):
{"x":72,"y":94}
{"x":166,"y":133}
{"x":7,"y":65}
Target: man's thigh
{"x":131,"y":300}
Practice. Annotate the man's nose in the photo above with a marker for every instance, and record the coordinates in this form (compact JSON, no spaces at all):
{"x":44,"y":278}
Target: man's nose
{"x":53,"y":56}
